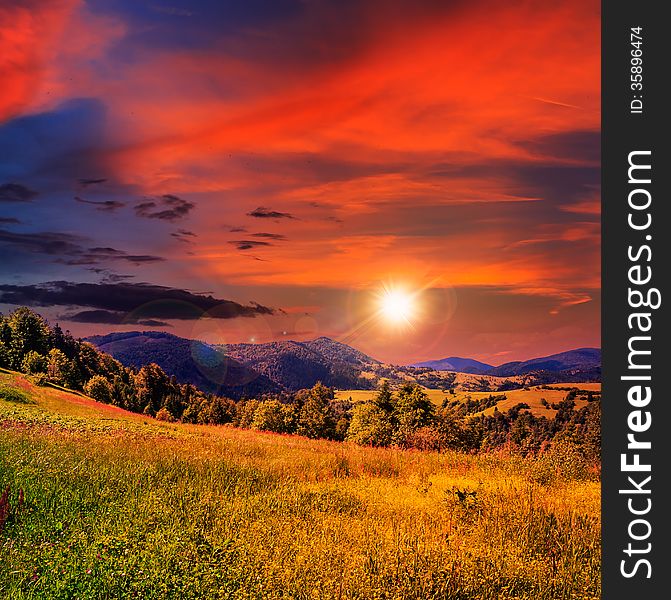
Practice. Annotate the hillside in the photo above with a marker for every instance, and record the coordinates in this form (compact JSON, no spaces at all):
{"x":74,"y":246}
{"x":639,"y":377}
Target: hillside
{"x":582,"y":364}
{"x":207,"y":367}
{"x":457,"y":364}
{"x":103,"y":503}
{"x":298,"y":365}
{"x":238,"y":369}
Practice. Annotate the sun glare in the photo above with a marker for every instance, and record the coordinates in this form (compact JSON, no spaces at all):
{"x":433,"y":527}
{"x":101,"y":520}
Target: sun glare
{"x":397,"y":306}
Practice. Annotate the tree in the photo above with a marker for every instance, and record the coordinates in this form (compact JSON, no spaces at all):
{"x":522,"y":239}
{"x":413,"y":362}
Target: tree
{"x":269,"y":416}
{"x":5,"y":356}
{"x":315,"y":420}
{"x":591,"y":439}
{"x":61,"y":370}
{"x":64,"y":342}
{"x":412,"y":410}
{"x":99,"y":389}
{"x":452,"y":430}
{"x":152,"y":386}
{"x":34,"y":362}
{"x":174,"y":404}
{"x":216,"y":411}
{"x":5,"y":342}
{"x":370,"y":425}
{"x":88,"y":359}
{"x":27,"y":331}
{"x":245,"y":410}
{"x":384,"y":398}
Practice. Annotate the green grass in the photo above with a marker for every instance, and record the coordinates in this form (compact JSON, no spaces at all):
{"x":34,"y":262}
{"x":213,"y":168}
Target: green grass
{"x":121,"y":506}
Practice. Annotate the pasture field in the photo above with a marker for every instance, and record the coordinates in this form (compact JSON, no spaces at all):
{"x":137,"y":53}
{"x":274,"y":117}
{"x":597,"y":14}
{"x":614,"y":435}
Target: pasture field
{"x":117,"y":505}
{"x":532,"y":396}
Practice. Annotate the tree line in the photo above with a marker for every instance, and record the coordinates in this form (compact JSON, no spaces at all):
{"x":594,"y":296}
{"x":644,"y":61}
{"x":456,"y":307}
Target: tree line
{"x":404,"y":417}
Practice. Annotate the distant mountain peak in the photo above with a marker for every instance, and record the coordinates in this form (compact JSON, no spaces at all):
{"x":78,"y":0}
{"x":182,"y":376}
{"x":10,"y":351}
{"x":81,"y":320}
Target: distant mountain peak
{"x":579,"y":359}
{"x":456,"y":363}
{"x":248,"y":367}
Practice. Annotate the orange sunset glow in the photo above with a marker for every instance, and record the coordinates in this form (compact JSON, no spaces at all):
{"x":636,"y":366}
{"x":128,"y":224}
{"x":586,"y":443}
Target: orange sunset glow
{"x":288,"y":160}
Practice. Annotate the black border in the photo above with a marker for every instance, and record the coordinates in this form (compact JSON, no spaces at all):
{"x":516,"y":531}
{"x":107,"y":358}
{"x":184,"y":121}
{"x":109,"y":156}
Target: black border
{"x":622,"y":133}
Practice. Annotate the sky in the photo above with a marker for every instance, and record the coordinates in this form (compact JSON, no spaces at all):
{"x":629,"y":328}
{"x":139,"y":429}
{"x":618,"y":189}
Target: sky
{"x":263,"y":170}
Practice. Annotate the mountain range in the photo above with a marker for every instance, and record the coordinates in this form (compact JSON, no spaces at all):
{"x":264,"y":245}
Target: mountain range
{"x":456,"y":364}
{"x":581,"y":360}
{"x":238,"y":370}
{"x":242,"y":369}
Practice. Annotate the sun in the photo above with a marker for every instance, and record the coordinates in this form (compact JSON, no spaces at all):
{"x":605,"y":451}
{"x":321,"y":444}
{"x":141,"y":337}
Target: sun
{"x":397,"y":306}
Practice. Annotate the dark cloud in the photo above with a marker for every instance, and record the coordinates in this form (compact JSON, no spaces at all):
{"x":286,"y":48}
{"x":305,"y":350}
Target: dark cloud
{"x":579,"y":145}
{"x":167,"y":208}
{"x":104,"y":205}
{"x":264,"y":213}
{"x":555,"y":182}
{"x":9,"y":220}
{"x":248,"y":244}
{"x":238,"y":229}
{"x":86,"y":182}
{"x":184,"y":235}
{"x":15,"y":192}
{"x":111,"y":318}
{"x":107,"y":276}
{"x":92,"y":256}
{"x":69,"y":249}
{"x":151,"y":301}
{"x":45,"y":242}
{"x":270,"y":236}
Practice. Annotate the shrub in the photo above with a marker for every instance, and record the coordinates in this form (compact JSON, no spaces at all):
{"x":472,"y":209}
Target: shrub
{"x":13,"y":394}
{"x":216,"y":411}
{"x":426,"y":438}
{"x":562,"y":461}
{"x":99,"y":389}
{"x":370,"y":425}
{"x":165,"y":415}
{"x":61,"y":370}
{"x":245,"y":413}
{"x":34,"y":362}
{"x":412,"y":410}
{"x":315,"y":420}
{"x":269,"y":416}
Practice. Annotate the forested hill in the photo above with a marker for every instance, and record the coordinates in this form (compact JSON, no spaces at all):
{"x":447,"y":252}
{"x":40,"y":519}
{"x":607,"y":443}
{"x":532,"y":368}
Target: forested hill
{"x":270,"y":367}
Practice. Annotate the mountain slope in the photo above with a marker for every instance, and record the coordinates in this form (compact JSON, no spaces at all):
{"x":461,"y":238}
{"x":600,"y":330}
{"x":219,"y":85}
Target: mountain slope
{"x":242,"y":369}
{"x":455,"y":363}
{"x":297,"y":365}
{"x":190,"y":361}
{"x":236,"y":370}
{"x":582,"y":364}
{"x":581,"y":360}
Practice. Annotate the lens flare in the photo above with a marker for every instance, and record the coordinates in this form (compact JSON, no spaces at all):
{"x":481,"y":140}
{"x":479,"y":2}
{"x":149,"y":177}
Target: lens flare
{"x":397,"y":306}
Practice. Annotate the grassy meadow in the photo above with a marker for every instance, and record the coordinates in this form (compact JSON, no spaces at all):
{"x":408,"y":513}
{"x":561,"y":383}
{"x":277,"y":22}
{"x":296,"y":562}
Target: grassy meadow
{"x":532,"y":396}
{"x":117,"y":505}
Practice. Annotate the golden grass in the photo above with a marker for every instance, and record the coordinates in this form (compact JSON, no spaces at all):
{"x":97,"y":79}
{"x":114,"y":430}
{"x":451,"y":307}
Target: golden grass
{"x":531,"y":396}
{"x":118,"y":505}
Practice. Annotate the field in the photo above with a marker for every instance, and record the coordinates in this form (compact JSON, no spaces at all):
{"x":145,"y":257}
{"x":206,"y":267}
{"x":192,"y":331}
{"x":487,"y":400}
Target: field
{"x":118,"y":505}
{"x":531,"y":396}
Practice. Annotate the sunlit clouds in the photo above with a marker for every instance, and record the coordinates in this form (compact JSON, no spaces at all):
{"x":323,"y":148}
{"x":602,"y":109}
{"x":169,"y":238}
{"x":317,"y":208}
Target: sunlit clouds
{"x":297,"y":154}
